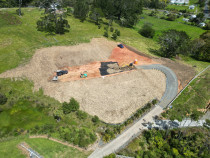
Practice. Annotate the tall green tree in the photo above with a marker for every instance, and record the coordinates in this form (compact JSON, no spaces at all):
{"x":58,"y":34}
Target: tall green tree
{"x":173,"y":42}
{"x":81,"y":9}
{"x":200,"y":47}
{"x":54,"y":21}
{"x":123,"y":11}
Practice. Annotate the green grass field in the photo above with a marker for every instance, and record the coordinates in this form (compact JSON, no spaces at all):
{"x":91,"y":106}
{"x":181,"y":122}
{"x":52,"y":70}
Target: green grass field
{"x":161,"y":25}
{"x":44,"y":147}
{"x":195,"y":96}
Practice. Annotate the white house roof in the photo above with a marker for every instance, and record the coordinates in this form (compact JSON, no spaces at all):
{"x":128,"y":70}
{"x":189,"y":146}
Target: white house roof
{"x":179,"y":1}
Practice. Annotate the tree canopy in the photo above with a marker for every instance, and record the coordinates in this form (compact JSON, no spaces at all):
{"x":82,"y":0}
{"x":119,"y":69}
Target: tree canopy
{"x":173,"y":42}
{"x":54,"y":19}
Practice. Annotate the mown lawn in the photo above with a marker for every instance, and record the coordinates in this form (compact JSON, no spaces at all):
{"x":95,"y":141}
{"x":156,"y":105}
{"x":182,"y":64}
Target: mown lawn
{"x":162,"y":25}
{"x":45,"y":147}
{"x":195,"y":96}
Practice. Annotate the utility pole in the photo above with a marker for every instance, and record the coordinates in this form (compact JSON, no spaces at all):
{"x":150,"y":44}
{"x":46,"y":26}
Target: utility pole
{"x":20,"y":3}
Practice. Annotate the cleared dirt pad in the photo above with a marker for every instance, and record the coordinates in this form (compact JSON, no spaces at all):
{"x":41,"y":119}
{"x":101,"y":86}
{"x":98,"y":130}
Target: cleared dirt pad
{"x":113,"y":98}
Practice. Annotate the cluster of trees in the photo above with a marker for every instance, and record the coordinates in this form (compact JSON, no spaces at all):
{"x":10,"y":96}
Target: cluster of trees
{"x":156,"y":4}
{"x":14,"y":3}
{"x":124,"y":12}
{"x":200,"y":47}
{"x":173,"y":43}
{"x":115,"y":32}
{"x":81,"y":137}
{"x":54,"y":19}
{"x":76,"y":136}
{"x":175,"y":144}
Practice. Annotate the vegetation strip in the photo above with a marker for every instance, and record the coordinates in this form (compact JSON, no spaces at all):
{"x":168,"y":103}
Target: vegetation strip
{"x":188,"y":85}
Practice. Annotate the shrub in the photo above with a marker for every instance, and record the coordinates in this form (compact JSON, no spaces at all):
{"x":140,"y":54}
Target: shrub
{"x":117,"y":32}
{"x":171,"y":17}
{"x":106,"y":34}
{"x":81,"y":114}
{"x":3,"y":99}
{"x":99,"y":26}
{"x":110,"y":156}
{"x":111,"y":29}
{"x":147,"y":30}
{"x":95,"y":119}
{"x":106,"y":28}
{"x":69,"y":11}
{"x":114,"y":36}
{"x":154,"y":101}
{"x":72,"y":106}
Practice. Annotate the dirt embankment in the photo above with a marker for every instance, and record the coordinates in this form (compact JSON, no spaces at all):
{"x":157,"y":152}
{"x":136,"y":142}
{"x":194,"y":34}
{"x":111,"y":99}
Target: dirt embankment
{"x":113,"y":99}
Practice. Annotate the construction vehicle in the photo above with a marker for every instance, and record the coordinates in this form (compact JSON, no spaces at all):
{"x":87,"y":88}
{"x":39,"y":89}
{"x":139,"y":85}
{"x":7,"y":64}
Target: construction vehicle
{"x":83,"y":75}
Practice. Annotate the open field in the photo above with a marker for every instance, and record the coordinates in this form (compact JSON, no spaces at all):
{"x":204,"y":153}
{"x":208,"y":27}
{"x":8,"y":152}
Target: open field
{"x":9,"y":148}
{"x":101,"y":97}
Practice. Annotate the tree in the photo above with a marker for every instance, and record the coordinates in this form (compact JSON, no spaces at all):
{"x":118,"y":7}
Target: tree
{"x":20,"y":3}
{"x":147,"y":30}
{"x":173,"y":42}
{"x":200,"y":47}
{"x":96,"y":14}
{"x":122,"y":11}
{"x":114,"y":36}
{"x":54,"y":19}
{"x":72,"y":106}
{"x":3,"y":99}
{"x":81,"y":9}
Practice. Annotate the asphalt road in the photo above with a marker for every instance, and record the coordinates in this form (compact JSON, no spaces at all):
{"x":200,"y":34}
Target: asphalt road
{"x":171,"y":83}
{"x":129,"y":134}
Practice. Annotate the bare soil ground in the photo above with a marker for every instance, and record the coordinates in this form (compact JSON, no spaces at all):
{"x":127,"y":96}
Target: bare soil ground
{"x":113,"y":99}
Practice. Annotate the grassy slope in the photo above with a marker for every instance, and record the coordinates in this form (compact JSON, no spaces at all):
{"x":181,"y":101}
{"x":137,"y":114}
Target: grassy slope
{"x":44,"y":147}
{"x":195,"y":96}
{"x":20,"y":110}
{"x":18,"y":42}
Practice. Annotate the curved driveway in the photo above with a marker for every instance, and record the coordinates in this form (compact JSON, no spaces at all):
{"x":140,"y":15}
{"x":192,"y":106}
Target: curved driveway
{"x":171,"y":83}
{"x":132,"y":132}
